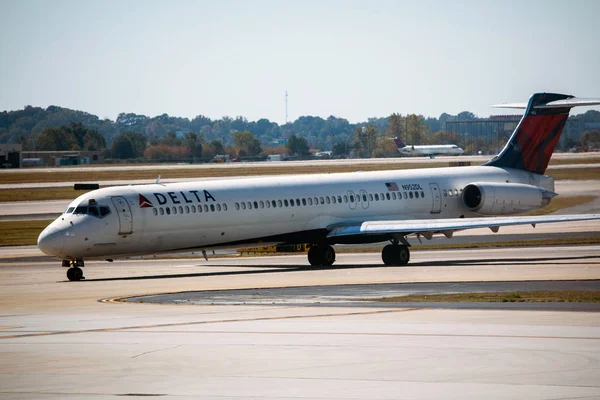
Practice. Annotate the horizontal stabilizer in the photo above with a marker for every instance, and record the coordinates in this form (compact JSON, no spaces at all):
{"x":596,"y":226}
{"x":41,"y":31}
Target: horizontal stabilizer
{"x":571,"y":102}
{"x":406,"y":227}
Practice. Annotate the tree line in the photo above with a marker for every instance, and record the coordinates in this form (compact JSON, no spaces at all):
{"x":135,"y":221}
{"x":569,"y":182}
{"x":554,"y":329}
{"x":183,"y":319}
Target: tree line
{"x":166,"y":137}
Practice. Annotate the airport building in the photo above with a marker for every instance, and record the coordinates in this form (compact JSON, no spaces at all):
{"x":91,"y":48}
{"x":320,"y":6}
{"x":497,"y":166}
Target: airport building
{"x":10,"y":155}
{"x":61,"y":158}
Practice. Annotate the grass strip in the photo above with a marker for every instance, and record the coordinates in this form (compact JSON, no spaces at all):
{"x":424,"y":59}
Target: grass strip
{"x":21,"y":233}
{"x":95,"y":175}
{"x":536,"y":296}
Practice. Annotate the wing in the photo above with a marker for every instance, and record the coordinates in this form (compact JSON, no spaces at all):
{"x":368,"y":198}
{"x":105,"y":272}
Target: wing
{"x":427,"y":227}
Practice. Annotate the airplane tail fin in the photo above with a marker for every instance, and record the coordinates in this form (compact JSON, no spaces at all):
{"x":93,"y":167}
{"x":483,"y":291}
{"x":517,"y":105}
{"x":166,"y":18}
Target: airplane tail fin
{"x":532,"y":143}
{"x":399,"y":143}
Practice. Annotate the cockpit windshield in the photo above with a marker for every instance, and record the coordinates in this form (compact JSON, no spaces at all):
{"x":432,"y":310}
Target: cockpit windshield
{"x":93,"y":209}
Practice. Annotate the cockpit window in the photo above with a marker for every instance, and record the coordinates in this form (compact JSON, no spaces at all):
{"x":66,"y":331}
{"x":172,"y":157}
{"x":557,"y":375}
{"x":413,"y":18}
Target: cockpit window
{"x":69,"y":210}
{"x":93,"y":210}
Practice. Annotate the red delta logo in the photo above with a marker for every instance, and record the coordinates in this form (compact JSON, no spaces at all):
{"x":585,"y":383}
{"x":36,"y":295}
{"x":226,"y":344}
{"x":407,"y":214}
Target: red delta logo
{"x":144,"y":202}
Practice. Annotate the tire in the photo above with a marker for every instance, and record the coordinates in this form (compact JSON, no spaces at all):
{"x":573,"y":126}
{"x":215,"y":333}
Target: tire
{"x":389,"y":255}
{"x":328,"y":257}
{"x":315,"y":255}
{"x":403,"y":255}
{"x":74,"y":274}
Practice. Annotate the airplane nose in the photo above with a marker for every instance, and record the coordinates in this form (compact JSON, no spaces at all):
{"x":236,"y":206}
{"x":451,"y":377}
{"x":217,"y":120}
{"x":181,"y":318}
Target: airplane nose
{"x":51,"y":242}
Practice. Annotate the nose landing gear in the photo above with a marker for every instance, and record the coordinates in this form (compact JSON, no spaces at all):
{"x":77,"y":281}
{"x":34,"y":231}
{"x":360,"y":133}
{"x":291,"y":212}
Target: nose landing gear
{"x":74,"y":273}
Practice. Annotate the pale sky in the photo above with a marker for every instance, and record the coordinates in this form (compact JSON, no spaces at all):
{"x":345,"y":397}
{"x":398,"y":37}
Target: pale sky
{"x":351,"y":59}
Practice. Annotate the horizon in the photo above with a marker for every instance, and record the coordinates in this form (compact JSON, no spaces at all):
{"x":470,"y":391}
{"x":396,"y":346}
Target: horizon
{"x":349,"y":59}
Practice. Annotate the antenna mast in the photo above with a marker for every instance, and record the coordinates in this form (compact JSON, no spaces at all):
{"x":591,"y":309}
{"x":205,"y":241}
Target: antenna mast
{"x":286,"y":108}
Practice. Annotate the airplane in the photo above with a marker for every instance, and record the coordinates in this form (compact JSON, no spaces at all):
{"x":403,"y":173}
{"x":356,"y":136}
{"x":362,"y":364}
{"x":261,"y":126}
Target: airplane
{"x":428,"y":150}
{"x":323,"y":209}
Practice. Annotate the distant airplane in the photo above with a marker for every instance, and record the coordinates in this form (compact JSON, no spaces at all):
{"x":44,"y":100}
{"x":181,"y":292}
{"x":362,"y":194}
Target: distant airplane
{"x":428,"y":150}
{"x":321,"y":209}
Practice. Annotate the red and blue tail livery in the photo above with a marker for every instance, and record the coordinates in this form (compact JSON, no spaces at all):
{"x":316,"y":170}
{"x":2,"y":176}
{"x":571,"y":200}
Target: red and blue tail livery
{"x":533,"y":141}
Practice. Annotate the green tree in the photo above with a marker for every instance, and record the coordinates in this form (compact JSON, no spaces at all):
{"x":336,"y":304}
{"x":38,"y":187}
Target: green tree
{"x":56,"y":139}
{"x":297,"y":146}
{"x":217,"y":147}
{"x":123,"y":148}
{"x":340,"y":149}
{"x":246,"y":143}
{"x":396,"y":127}
{"x":194,"y":143}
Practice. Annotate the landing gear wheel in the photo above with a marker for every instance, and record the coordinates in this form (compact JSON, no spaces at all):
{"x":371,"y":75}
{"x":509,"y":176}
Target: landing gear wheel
{"x":321,"y":255}
{"x":75,"y":274}
{"x":394,"y":254}
{"x":315,"y":254}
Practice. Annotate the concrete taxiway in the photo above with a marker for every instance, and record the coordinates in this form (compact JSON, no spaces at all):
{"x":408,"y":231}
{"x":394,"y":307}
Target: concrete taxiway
{"x":57,"y":340}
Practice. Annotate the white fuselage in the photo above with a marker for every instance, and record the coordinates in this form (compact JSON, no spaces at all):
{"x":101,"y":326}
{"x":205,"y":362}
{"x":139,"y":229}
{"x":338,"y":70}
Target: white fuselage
{"x":432,"y":150}
{"x":156,"y":218}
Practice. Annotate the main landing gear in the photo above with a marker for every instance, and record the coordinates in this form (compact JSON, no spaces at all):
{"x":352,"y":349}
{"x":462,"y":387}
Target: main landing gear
{"x":323,"y":255}
{"x":395,"y":254}
{"x":74,"y":273}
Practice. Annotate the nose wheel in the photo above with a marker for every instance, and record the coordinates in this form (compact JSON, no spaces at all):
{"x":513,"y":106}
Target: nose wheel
{"x":74,"y":273}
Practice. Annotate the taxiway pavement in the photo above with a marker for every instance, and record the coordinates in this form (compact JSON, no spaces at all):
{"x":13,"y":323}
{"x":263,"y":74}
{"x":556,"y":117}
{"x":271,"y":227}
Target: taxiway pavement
{"x":57,"y":340}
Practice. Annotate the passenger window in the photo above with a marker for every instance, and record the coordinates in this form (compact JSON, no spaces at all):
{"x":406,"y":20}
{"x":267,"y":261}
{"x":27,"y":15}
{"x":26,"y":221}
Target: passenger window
{"x":168,"y":210}
{"x":205,"y":208}
{"x":316,"y":201}
{"x":370,"y":197}
{"x":416,"y":195}
{"x":456,"y":192}
{"x":405,"y":195}
{"x":292,"y":202}
{"x":243,"y":206}
{"x":273,"y":203}
{"x":262,"y":204}
{"x":268,"y":204}
{"x":199,"y":208}
{"x":381,"y":196}
{"x":364,"y":198}
{"x":174,"y":210}
{"x":249,"y":205}
{"x":387,"y":196}
{"x":333,"y":199}
{"x":279,"y":203}
{"x":218,"y":207}
{"x":162,"y":212}
{"x":310,"y":201}
{"x":450,"y":193}
{"x":303,"y":202}
{"x":187,"y":209}
{"x":345,"y":198}
{"x":224,"y":207}
{"x":298,"y":202}
{"x":256,"y":204}
{"x":339,"y":198}
{"x":285,"y":202}
{"x":422,"y":194}
{"x":212,"y":207}
{"x":327,"y":199}
{"x":410,"y":194}
{"x":376,"y":197}
{"x":154,"y":211}
{"x":322,"y":200}
{"x":194,"y":209}
{"x":393,"y":195}
{"x":351,"y":199}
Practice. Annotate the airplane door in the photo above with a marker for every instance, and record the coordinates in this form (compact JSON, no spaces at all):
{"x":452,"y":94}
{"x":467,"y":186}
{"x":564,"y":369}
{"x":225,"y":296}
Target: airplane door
{"x":351,"y":199}
{"x":124,"y":213}
{"x":364,"y":198}
{"x":436,"y":206}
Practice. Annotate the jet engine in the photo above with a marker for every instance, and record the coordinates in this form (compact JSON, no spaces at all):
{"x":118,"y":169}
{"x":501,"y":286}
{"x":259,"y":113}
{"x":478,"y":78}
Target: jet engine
{"x":491,"y":198}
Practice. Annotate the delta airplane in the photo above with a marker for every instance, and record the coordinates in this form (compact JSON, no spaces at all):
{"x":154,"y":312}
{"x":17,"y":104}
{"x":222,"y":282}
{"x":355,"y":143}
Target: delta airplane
{"x":320,"y":210}
{"x":428,"y":150}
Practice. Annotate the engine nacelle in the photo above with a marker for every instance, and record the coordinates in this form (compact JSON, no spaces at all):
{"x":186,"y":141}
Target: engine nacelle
{"x":491,"y":198}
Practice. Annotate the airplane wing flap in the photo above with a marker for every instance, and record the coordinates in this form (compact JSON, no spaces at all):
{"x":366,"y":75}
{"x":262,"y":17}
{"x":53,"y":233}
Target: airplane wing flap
{"x":406,"y":227}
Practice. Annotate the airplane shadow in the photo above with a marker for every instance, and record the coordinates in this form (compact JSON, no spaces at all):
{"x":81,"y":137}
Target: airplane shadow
{"x":295,"y":268}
